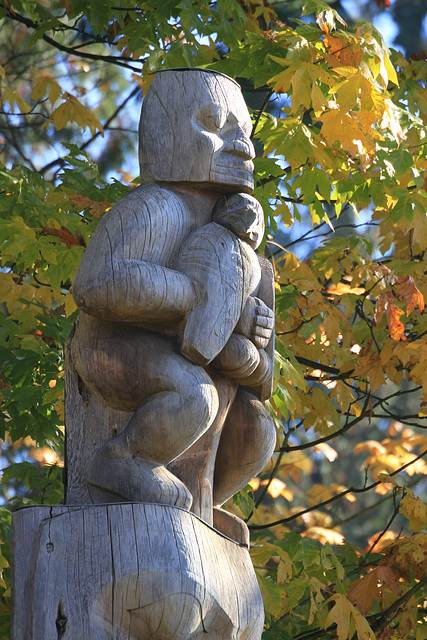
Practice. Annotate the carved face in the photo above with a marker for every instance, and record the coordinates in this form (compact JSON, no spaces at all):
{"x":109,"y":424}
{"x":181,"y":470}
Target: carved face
{"x":195,"y":127}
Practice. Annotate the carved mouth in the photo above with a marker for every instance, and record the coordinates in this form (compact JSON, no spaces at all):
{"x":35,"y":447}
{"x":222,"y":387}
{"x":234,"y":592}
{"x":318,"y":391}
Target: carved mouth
{"x":231,"y":163}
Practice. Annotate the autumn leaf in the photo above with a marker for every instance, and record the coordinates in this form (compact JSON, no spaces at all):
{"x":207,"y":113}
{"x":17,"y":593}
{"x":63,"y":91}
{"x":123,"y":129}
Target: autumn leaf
{"x":284,"y":568}
{"x":84,"y":202}
{"x":393,"y":313}
{"x":415,"y":511}
{"x":324,"y":535}
{"x":410,"y":294}
{"x":366,"y":590}
{"x":395,"y":326}
{"x":406,"y":556}
{"x":349,"y":54}
{"x":72,"y":110}
{"x":370,"y":366}
{"x":66,"y":236}
{"x":348,"y":620}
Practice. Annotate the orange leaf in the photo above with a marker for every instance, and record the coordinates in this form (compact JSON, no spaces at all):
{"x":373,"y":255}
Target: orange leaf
{"x":365,"y":591}
{"x":348,"y":54}
{"x":84,"y":202}
{"x":408,"y":291}
{"x":380,"y":540}
{"x":66,"y":236}
{"x":407,"y":555}
{"x":383,"y":300}
{"x":395,"y":327}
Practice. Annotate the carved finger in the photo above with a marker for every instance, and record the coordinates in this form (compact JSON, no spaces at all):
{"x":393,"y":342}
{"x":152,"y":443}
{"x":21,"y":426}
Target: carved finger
{"x":264,"y":321}
{"x":263,"y":310}
{"x":260,"y":342}
{"x":262,"y":332}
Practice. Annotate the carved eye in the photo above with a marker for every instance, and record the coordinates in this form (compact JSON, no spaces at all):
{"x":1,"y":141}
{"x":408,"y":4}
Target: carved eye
{"x":210,"y":117}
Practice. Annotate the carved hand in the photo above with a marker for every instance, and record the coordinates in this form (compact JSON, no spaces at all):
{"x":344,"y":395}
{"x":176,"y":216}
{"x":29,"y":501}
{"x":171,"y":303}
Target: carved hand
{"x":256,"y":322}
{"x":243,"y":362}
{"x":238,"y":359}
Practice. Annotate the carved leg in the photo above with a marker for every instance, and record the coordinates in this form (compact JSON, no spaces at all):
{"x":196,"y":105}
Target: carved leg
{"x":132,"y":465}
{"x":174,"y":402}
{"x":246,"y":445}
{"x":195,"y":467}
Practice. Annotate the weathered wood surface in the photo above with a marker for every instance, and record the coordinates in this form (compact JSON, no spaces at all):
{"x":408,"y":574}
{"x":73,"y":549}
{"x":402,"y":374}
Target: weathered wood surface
{"x":172,"y":354}
{"x":129,"y":572}
{"x":166,"y":371}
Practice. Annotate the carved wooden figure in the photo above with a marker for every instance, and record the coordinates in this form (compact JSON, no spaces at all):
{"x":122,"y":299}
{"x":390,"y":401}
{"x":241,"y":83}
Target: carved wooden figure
{"x":167,"y":368}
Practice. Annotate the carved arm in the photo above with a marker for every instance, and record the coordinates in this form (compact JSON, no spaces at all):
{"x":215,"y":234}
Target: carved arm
{"x":125,"y":273}
{"x":135,"y":292}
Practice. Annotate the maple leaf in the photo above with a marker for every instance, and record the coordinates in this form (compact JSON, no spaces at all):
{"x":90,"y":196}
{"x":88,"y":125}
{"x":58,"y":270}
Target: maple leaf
{"x":366,"y":590}
{"x":66,"y":236}
{"x":324,"y":535}
{"x":84,"y":202}
{"x":348,"y":620}
{"x":393,"y":313}
{"x":284,"y":568}
{"x":349,"y":54}
{"x":329,"y":453}
{"x":415,"y":511}
{"x":370,"y":366}
{"x":72,"y":110}
{"x":410,"y":294}
{"x":395,"y":326}
{"x":407,"y":555}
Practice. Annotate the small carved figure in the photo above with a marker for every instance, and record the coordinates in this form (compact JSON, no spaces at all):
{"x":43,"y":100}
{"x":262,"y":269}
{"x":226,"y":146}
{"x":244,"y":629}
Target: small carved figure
{"x":176,"y":324}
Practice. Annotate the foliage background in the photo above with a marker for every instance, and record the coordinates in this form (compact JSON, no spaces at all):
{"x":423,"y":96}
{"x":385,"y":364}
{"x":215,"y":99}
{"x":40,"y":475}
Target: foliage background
{"x":338,"y":521}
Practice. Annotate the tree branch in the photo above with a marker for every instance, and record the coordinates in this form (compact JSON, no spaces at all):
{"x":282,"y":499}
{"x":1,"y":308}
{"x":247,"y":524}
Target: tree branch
{"x":117,"y":60}
{"x":380,"y":620}
{"x":338,"y":496}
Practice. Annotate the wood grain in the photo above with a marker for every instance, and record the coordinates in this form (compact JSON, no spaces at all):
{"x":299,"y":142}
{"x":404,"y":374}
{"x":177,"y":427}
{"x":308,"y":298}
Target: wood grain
{"x":130,"y":572}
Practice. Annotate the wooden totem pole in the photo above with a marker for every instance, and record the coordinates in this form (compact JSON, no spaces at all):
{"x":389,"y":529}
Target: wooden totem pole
{"x":167,"y":368}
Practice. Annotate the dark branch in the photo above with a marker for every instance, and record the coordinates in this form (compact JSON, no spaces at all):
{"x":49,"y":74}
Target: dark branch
{"x":338,"y":496}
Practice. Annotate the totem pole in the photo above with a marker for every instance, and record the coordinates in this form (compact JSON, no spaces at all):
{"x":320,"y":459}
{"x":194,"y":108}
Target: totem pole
{"x":167,"y":368}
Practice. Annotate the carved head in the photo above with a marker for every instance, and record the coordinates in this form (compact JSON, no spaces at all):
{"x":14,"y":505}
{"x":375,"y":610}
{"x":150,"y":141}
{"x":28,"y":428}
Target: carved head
{"x":195,"y":127}
{"x":243,"y":215}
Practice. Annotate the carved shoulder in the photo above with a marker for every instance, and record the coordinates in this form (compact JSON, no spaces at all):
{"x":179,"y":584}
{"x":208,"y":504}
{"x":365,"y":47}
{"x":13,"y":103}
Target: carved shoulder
{"x":125,"y":272}
{"x":148,"y":224}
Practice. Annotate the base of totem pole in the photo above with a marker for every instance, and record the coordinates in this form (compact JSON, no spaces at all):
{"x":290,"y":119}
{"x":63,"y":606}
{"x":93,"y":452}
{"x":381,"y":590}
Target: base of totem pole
{"x":129,"y":571}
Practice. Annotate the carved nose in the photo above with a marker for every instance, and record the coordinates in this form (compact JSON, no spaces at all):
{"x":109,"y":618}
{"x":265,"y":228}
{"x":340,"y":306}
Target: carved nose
{"x":242,"y":147}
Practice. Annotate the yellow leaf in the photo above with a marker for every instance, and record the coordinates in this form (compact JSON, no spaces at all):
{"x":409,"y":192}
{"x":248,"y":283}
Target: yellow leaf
{"x":71,"y":110}
{"x":282,"y":81}
{"x":415,"y":511}
{"x":284,"y":569}
{"x":319,"y":101}
{"x":370,"y":366}
{"x":348,"y":620}
{"x":278,"y":488}
{"x":323,"y":535}
{"x":301,"y":88}
{"x":327,"y":450}
{"x":340,"y":615}
{"x":41,"y":85}
{"x":70,"y":305}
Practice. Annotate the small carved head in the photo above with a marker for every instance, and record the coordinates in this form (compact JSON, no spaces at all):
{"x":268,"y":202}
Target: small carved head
{"x":243,"y":215}
{"x":195,"y":127}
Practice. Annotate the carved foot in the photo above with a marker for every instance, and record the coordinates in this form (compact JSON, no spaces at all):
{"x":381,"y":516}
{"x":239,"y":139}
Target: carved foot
{"x":136,"y":479}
